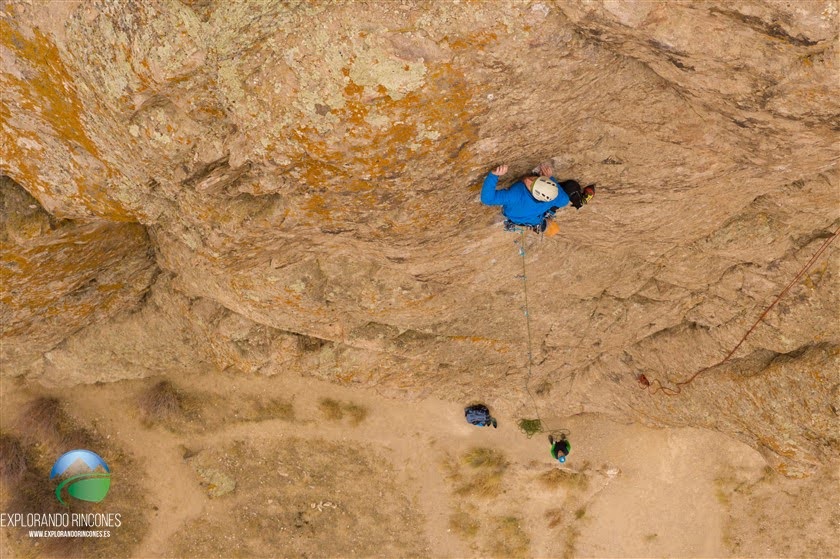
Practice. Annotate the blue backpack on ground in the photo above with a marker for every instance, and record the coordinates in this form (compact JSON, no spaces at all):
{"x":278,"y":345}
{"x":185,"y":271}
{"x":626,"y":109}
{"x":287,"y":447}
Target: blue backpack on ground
{"x":479,"y":415}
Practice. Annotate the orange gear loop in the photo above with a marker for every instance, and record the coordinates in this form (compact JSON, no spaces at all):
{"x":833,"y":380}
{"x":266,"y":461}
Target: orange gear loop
{"x":654,"y":386}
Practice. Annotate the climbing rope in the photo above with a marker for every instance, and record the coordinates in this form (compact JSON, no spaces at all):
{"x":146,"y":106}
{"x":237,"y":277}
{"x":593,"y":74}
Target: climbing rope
{"x":530,"y":426}
{"x":654,"y":386}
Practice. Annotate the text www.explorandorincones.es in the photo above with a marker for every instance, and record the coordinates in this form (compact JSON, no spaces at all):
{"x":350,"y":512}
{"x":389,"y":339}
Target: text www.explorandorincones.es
{"x":69,"y":534}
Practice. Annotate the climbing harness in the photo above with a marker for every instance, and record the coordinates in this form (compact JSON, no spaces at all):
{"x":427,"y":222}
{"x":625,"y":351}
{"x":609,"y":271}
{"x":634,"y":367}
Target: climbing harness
{"x":511,"y":227}
{"x":655,"y":386}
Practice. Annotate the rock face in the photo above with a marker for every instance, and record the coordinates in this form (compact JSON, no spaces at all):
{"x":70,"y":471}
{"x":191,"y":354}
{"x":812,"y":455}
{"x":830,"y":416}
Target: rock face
{"x":306,"y":178}
{"x":59,"y":276}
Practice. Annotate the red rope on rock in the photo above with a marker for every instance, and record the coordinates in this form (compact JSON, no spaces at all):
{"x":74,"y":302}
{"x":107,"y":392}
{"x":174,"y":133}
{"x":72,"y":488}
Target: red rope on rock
{"x":654,"y":386}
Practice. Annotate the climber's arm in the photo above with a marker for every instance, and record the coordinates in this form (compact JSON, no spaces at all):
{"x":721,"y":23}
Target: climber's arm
{"x":489,"y":194}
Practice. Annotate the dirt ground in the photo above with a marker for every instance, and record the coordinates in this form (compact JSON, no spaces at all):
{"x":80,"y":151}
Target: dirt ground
{"x":252,"y":466}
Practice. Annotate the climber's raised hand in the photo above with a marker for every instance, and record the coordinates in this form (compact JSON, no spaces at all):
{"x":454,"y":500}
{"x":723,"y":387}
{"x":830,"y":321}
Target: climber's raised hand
{"x":546,"y":170}
{"x":500,"y":170}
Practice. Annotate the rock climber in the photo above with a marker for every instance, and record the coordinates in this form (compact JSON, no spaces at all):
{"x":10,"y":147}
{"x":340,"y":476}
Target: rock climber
{"x":532,"y":201}
{"x":559,"y":447}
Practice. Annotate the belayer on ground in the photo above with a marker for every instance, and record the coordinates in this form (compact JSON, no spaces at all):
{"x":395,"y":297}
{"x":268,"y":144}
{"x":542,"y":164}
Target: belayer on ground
{"x":560,"y":448}
{"x":532,"y":201}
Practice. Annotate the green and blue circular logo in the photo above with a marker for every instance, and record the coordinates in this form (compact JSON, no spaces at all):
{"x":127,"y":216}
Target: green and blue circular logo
{"x":82,"y":474}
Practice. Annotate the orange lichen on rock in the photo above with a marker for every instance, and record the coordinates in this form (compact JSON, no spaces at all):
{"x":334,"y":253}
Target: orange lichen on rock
{"x":51,"y":84}
{"x":474,"y":41}
{"x":52,"y":272}
{"x":51,"y":91}
{"x":430,"y":119}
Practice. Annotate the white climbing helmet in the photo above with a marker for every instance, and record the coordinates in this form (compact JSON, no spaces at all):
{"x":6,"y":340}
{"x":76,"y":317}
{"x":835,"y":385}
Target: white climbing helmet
{"x":544,"y":189}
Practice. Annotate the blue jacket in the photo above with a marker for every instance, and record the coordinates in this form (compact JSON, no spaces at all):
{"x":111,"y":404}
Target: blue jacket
{"x":517,"y":203}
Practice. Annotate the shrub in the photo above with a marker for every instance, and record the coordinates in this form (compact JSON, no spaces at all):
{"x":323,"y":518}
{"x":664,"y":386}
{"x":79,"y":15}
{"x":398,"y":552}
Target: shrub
{"x":508,"y":539}
{"x":485,"y":481}
{"x":331,"y":409}
{"x":356,"y":412}
{"x":44,"y":420}
{"x":161,"y":401}
{"x":13,"y":462}
{"x":557,"y":477}
{"x":335,"y":410}
{"x":463,"y":524}
{"x":554,"y":517}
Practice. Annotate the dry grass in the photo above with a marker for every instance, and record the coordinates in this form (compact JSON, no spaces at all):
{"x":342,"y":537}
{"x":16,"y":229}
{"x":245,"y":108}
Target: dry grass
{"x":273,"y":408}
{"x":162,"y":401}
{"x":29,"y":493}
{"x":331,"y":409}
{"x":450,"y":468}
{"x":294,"y":498}
{"x":508,"y":539}
{"x":543,"y":388}
{"x":179,"y":411}
{"x":464,"y":524}
{"x":485,"y":478}
{"x":45,"y":432}
{"x":356,"y":412}
{"x":13,"y":462}
{"x":42,"y":415}
{"x":557,"y":477}
{"x":571,"y":540}
{"x":727,"y":486}
{"x":484,"y":458}
{"x":481,"y":484}
{"x":44,"y":421}
{"x":335,"y":410}
{"x":554,"y":517}
{"x":484,"y":484}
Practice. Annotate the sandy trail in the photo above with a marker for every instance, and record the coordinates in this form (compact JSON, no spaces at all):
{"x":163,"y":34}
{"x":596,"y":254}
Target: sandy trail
{"x":652,"y":491}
